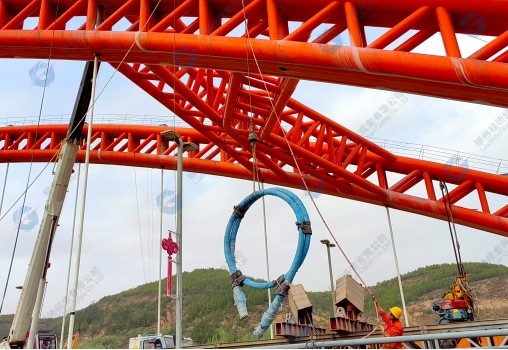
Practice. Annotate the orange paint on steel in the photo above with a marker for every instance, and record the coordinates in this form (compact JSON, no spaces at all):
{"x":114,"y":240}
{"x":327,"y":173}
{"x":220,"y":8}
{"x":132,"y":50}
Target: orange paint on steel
{"x":319,"y":143}
{"x":381,"y":176}
{"x":410,"y":22}
{"x":502,"y":212}
{"x":467,"y":80}
{"x":460,"y":191}
{"x":431,"y":193}
{"x":144,"y":15}
{"x":91,"y":11}
{"x":235,"y":84}
{"x":170,"y":18}
{"x":288,"y":87}
{"x":303,"y":32}
{"x":356,"y":35}
{"x":204,"y":17}
{"x":117,"y":15}
{"x":250,"y":10}
{"x":60,"y":22}
{"x":338,"y":187}
{"x":482,"y":197}
{"x":491,"y":48}
{"x":447,"y":32}
{"x":406,"y":182}
{"x":277,"y":26}
{"x":418,"y":38}
{"x":502,"y":57}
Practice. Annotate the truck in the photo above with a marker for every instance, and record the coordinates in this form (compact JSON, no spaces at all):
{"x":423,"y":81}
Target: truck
{"x":156,"y":341}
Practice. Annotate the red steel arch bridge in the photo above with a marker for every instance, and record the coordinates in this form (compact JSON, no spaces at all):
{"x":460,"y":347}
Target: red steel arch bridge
{"x":228,"y":68}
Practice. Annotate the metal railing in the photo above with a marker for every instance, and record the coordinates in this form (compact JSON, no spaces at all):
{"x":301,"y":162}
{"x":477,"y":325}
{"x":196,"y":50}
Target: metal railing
{"x":445,"y":156}
{"x":417,"y":151}
{"x":129,"y":119}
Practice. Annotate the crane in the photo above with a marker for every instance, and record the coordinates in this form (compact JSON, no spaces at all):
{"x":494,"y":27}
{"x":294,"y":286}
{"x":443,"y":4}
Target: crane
{"x":39,"y":264}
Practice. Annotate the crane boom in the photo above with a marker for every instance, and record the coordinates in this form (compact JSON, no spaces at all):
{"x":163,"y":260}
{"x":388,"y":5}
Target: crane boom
{"x":40,"y":257}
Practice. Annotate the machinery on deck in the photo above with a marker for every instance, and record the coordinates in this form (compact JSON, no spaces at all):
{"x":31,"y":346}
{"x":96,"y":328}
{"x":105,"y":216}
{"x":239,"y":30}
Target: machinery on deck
{"x":459,"y":302}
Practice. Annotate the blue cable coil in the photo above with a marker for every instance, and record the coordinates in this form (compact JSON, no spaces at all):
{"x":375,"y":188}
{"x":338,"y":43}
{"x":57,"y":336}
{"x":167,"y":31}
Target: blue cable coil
{"x":304,"y":235}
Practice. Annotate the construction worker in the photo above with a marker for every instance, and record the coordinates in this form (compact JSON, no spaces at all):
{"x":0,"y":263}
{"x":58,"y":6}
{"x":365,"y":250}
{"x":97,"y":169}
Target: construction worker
{"x":393,"y":326}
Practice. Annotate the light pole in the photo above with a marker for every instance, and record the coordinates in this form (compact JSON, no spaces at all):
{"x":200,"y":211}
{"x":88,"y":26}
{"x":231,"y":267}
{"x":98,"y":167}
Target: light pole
{"x":332,"y":290}
{"x":171,"y":135}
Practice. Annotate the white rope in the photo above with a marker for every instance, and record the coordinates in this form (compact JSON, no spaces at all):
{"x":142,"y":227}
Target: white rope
{"x":397,"y":267}
{"x":160,"y":258}
{"x":266,"y":255}
{"x":70,"y":259}
{"x":3,"y":189}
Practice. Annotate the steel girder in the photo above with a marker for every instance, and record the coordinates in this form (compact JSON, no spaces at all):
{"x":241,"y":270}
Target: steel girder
{"x":195,"y":57}
{"x":288,"y":38}
{"x":348,"y":170}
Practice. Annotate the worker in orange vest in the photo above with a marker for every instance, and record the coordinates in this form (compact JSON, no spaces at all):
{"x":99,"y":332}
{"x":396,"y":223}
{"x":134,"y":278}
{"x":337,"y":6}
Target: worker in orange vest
{"x":393,"y":326}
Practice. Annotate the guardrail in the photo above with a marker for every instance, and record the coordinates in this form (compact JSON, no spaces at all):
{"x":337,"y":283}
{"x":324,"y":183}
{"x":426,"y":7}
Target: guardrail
{"x":417,"y":151}
{"x":445,"y":156}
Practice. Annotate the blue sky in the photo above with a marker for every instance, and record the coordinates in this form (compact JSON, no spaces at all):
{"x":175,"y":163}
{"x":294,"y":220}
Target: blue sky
{"x":121,"y":231}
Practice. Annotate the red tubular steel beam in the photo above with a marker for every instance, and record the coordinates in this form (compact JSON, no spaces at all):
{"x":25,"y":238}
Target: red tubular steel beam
{"x":288,"y":87}
{"x":466,"y":79}
{"x":356,"y":35}
{"x":483,"y":198}
{"x":495,"y":223}
{"x":459,"y":192}
{"x":431,"y":193}
{"x":447,"y":32}
{"x":303,"y":32}
{"x":235,"y":85}
{"x":158,"y":45}
{"x":408,"y":23}
{"x":461,"y":79}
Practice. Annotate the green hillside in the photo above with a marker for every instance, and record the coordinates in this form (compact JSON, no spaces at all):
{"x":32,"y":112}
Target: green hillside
{"x":211,"y":317}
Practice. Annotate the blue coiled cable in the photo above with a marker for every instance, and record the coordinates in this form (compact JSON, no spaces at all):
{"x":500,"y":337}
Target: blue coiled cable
{"x":304,"y":235}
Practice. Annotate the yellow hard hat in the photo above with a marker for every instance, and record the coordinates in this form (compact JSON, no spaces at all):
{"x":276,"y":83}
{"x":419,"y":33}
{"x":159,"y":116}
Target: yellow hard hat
{"x":396,"y":311}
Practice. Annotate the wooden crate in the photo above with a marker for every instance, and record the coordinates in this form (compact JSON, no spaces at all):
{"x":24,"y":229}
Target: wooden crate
{"x":347,"y":290}
{"x":300,"y":305}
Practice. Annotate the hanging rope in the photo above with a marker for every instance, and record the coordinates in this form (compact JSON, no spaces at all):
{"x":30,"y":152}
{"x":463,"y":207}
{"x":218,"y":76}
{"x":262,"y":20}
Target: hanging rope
{"x":461,"y":280}
{"x":69,"y":264}
{"x":283,"y":282}
{"x":451,"y":226}
{"x":397,"y":267}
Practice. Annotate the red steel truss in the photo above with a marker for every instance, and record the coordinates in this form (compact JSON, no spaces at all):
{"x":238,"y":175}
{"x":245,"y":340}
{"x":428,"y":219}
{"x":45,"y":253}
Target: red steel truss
{"x":226,"y":80}
{"x":288,"y":38}
{"x":353,"y":170}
